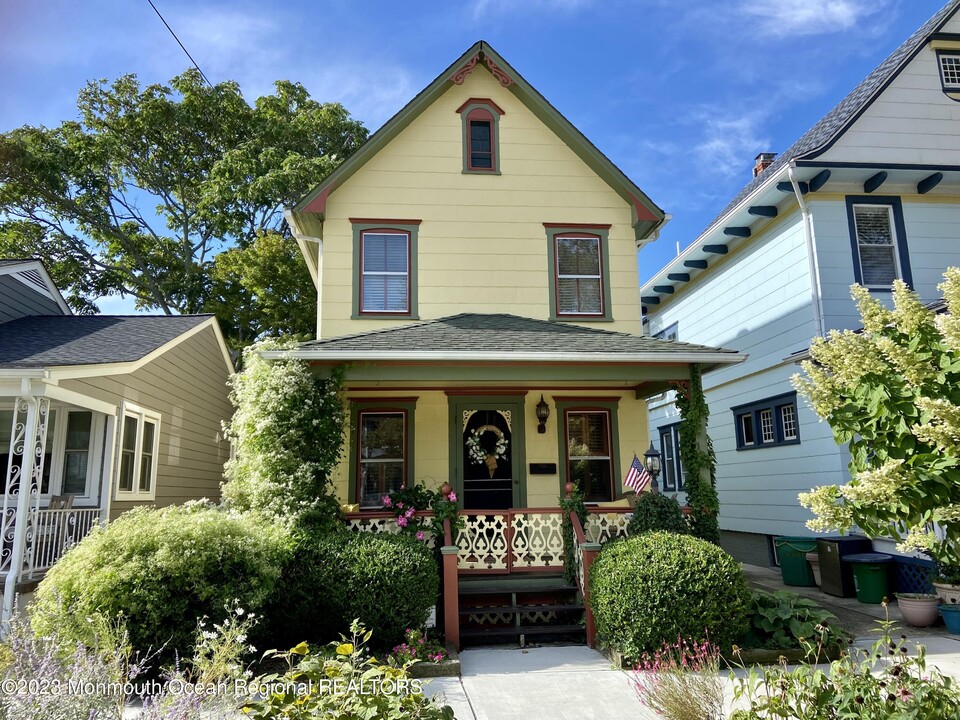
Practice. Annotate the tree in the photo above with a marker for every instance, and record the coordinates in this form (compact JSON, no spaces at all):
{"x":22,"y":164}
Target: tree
{"x":139,"y":196}
{"x":892,"y":392}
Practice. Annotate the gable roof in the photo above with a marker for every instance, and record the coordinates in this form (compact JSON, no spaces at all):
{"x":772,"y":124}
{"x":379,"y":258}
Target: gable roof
{"x":467,"y":335}
{"x":68,"y":340}
{"x":646,"y":214}
{"x":32,"y":273}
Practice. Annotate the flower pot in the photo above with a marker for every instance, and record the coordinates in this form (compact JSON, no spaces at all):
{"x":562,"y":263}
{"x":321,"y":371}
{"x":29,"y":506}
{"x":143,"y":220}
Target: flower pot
{"x":919,"y":609}
{"x":814,"y":559}
{"x":951,"y":618}
{"x":950,"y":594}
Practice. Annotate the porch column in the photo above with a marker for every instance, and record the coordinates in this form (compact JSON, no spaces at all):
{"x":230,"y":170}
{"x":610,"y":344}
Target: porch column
{"x":28,"y":442}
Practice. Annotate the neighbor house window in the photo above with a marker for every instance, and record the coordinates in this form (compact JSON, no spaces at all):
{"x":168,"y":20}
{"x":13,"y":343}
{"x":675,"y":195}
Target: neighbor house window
{"x":589,"y":453}
{"x":137,"y":464}
{"x":878,"y":242}
{"x":673,"y":479}
{"x":766,"y":423}
{"x":381,"y":461}
{"x":949,"y":70}
{"x":385,"y":262}
{"x":668,"y":333}
{"x":481,"y":142}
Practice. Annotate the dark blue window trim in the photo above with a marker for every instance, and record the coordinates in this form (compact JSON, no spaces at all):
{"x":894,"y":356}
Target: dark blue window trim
{"x":662,"y":335}
{"x":951,"y":91}
{"x":753,"y":410}
{"x":898,"y":227}
{"x":674,"y":430}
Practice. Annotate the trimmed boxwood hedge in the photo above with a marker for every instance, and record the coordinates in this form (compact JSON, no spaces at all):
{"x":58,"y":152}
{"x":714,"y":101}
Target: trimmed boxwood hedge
{"x":388,"y":582}
{"x":656,"y":587}
{"x":656,"y":512}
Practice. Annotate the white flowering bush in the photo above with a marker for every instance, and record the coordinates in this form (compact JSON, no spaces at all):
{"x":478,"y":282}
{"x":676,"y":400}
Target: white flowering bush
{"x":288,"y":435}
{"x":892,"y":393}
{"x":161,"y":570}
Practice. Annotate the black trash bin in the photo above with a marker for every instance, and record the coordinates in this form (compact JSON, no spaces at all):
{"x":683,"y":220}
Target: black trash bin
{"x":836,"y":577}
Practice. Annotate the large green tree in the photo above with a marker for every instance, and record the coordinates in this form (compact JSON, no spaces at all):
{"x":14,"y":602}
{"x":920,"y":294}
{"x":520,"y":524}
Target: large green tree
{"x":140,"y":194}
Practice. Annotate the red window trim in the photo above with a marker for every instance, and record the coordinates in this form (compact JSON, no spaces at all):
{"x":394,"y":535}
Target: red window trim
{"x":566,"y":441}
{"x":377,"y":411}
{"x":481,"y":114}
{"x":392,"y":313}
{"x":556,"y":273}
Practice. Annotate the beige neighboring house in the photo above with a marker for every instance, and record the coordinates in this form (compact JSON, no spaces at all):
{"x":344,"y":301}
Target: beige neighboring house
{"x":98,"y":414}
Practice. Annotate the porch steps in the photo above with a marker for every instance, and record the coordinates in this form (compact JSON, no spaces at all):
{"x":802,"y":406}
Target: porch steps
{"x":513,"y":607}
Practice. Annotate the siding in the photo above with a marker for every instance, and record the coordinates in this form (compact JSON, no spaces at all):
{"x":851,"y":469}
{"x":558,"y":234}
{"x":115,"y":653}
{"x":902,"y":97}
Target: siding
{"x":187,"y":385}
{"x":482,"y":244}
{"x":17,"y":301}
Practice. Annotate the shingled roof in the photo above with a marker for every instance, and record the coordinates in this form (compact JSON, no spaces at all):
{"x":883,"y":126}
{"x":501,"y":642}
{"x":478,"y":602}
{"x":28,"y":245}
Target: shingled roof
{"x":60,"y":340}
{"x":502,"y":336}
{"x":832,"y":125}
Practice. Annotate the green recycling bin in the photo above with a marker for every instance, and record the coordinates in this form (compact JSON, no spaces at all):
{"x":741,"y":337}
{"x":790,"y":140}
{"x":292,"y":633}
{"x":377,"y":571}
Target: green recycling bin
{"x":870,"y":575}
{"x":792,"y":553}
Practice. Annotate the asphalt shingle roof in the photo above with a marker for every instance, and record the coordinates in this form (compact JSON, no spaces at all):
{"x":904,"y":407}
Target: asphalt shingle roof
{"x":55,"y":340}
{"x":470,"y":332}
{"x":831,"y":124}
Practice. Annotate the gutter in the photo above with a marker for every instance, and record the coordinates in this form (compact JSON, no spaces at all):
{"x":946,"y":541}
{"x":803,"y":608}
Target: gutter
{"x":812,"y":265}
{"x":725,"y":358}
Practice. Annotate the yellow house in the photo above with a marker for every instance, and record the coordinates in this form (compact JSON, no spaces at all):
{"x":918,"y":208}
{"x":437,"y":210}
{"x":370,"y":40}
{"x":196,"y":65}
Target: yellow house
{"x":476,"y":269}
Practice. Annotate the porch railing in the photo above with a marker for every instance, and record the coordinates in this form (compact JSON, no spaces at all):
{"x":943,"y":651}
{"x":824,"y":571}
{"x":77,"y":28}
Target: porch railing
{"x":52,"y":533}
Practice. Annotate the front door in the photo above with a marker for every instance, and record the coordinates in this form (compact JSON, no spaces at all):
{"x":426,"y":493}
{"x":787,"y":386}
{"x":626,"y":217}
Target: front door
{"x":487,"y":453}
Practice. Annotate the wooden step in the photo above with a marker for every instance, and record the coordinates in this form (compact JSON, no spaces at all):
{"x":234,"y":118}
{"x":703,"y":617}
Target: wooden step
{"x":493,"y":609}
{"x":521,"y":630}
{"x":505,"y":586}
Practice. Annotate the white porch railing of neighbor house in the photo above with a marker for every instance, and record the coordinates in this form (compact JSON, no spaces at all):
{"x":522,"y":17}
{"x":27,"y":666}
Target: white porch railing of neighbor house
{"x":55,"y":532}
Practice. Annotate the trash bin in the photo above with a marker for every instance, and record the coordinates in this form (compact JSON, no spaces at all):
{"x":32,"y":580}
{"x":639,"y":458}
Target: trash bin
{"x":836,"y":577}
{"x":814,"y":559}
{"x":792,"y":553}
{"x":870,"y":575}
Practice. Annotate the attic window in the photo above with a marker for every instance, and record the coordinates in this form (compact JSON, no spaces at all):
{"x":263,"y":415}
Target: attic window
{"x":481,"y":136}
{"x":950,"y":70}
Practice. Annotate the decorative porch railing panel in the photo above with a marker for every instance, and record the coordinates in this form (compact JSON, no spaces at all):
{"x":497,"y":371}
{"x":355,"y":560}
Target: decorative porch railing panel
{"x":376,"y":522}
{"x":53,"y":532}
{"x":607,"y":523}
{"x":503,"y":541}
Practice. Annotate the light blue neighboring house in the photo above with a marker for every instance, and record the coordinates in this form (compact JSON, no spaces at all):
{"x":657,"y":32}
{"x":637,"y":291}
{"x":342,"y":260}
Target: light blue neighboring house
{"x":869,"y":194}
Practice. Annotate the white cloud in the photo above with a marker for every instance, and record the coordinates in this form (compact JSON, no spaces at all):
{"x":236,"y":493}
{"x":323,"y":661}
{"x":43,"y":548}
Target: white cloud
{"x":784,"y":18}
{"x":729,"y":143}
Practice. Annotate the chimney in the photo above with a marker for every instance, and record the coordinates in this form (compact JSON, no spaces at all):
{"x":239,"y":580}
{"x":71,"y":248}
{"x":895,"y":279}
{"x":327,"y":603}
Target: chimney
{"x":763,"y":161}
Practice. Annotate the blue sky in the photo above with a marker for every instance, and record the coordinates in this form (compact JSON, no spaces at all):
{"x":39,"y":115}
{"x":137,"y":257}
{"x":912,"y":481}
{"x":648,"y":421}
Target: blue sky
{"x":681,"y":94}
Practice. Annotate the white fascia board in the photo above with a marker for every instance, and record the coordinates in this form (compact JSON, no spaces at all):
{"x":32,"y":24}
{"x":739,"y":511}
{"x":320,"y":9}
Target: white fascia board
{"x":533,"y":357}
{"x":660,"y":276}
{"x":304,"y":242}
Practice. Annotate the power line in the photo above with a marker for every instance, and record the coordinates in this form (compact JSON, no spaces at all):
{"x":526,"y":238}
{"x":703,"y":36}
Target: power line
{"x":179,"y":43}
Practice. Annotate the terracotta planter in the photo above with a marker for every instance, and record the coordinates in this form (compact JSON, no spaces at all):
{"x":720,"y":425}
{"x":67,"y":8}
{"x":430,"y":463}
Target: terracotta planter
{"x":950,"y":594}
{"x":919,"y":609}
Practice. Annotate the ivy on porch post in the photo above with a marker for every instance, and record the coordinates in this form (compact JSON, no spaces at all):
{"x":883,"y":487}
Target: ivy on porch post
{"x":699,"y":460}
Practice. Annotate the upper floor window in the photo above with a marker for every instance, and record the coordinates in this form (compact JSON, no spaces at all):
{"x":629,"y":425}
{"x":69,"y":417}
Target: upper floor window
{"x":668,"y":333}
{"x":481,"y":135}
{"x":385,"y":253}
{"x":878,"y":242}
{"x":949,"y":70}
{"x":137,"y":466}
{"x":768,"y":422}
{"x":579,"y":273}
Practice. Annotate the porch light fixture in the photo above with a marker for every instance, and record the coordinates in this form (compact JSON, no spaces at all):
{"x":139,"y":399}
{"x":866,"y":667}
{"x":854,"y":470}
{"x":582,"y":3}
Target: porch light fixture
{"x":543,"y":412}
{"x":651,"y":460}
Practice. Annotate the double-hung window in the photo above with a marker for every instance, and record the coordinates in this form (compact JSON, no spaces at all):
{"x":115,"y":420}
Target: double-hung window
{"x":767,"y":423}
{"x":589,"y":453}
{"x":579,"y":271}
{"x":381,"y":461}
{"x":137,"y":462}
{"x":385,"y":268}
{"x":878,"y":242}
{"x":673,"y":478}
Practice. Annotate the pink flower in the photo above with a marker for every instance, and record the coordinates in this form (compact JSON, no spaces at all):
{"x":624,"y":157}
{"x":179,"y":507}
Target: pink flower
{"x":402,"y":521}
{"x":410,"y":512}
{"x":452,"y":497}
{"x":387,"y":502}
{"x":403,"y":487}
{"x":400,"y":505}
{"x":421,"y":536}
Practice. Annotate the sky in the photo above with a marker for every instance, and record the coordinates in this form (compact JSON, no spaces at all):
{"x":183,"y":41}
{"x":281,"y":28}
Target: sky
{"x":680,"y":94}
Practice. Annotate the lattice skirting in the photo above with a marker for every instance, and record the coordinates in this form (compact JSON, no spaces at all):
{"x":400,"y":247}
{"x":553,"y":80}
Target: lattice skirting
{"x":494,"y":617}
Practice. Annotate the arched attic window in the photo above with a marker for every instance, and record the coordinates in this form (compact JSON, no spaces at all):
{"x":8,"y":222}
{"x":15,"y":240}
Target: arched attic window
{"x":481,"y":135}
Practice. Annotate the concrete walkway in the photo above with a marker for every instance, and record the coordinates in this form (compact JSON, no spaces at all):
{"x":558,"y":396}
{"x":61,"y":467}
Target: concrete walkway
{"x":575,"y":682}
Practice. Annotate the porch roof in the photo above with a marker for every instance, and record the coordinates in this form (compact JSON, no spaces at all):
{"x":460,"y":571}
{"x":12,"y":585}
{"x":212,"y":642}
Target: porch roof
{"x":41,"y":341}
{"x":502,"y":337}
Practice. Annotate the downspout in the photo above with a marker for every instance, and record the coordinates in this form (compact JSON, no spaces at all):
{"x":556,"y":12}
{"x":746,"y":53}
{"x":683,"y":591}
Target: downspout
{"x":812,"y":266}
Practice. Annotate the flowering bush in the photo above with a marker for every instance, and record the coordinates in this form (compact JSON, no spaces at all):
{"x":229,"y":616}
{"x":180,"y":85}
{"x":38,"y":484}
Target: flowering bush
{"x":681,"y":681}
{"x":417,"y":647}
{"x":420,"y":512}
{"x":892,"y":393}
{"x":161,"y":570}
{"x":288,"y":434}
{"x":345,"y":683}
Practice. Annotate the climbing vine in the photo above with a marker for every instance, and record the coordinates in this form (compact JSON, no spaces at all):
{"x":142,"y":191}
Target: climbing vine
{"x":699,"y":463}
{"x":574,"y":503}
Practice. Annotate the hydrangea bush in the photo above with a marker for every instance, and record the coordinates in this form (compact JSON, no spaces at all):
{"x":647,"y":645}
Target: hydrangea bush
{"x":288,"y":432}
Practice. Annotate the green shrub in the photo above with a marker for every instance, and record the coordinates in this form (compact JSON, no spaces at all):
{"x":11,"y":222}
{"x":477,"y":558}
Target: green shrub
{"x":649,"y":590}
{"x":784,"y":619}
{"x":387,"y":581}
{"x":161,"y":570}
{"x":656,"y":512}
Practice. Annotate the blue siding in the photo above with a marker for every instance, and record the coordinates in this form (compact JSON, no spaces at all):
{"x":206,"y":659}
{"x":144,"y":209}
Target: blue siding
{"x":17,"y":300}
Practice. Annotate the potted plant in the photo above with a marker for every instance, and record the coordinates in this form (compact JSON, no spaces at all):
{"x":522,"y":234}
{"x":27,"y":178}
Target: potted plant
{"x":947,"y":582}
{"x":919,"y":609}
{"x":951,"y":617}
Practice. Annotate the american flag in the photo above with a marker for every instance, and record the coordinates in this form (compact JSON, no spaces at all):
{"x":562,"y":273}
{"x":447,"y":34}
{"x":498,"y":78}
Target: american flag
{"x":637,"y":476}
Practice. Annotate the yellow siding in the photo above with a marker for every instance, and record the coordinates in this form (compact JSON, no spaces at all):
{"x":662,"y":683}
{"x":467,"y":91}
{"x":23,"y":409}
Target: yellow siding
{"x":187,"y":385}
{"x":431,"y":446}
{"x":482,"y":244}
